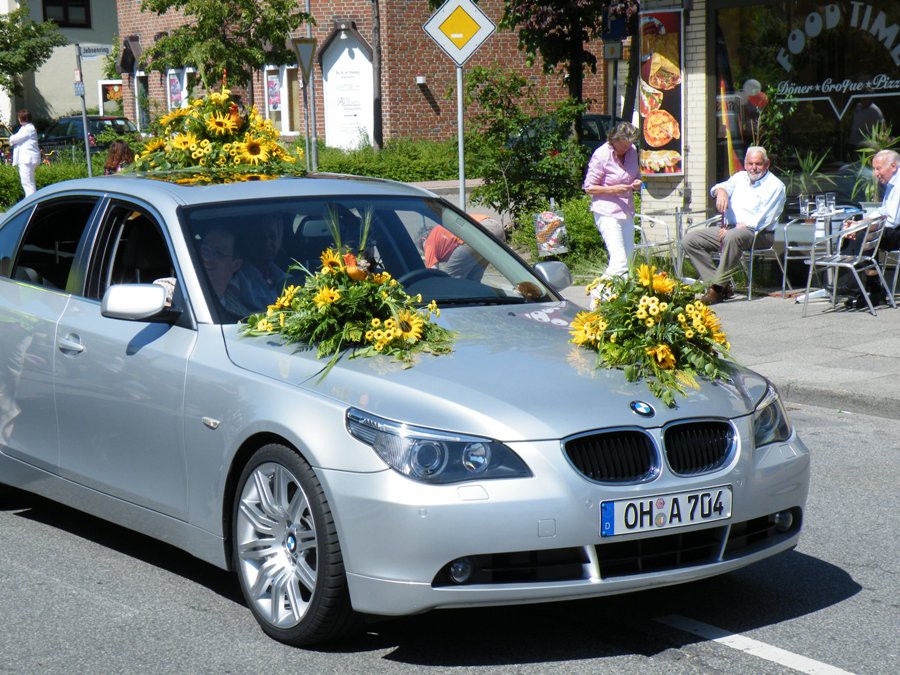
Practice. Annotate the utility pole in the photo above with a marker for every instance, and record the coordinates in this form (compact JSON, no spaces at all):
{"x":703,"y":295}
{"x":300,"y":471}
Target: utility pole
{"x":79,"y":91}
{"x":314,"y":145}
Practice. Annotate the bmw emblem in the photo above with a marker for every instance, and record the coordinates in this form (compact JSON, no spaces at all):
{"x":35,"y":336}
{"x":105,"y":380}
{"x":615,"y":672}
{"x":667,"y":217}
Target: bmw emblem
{"x":643,"y":409}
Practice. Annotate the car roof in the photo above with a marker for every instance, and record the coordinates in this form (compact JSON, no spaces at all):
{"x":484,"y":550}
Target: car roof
{"x":322,"y":184}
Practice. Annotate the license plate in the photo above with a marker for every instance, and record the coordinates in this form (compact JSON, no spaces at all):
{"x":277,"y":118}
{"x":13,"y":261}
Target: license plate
{"x":662,"y":512}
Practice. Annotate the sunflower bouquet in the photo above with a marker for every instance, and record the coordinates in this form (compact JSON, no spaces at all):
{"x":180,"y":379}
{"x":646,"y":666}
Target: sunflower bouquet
{"x":213,"y":140}
{"x":650,"y":326}
{"x":346,"y":305}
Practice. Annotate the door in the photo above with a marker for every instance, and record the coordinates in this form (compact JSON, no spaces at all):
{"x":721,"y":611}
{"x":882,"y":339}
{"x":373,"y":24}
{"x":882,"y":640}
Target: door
{"x":37,"y":249}
{"x":120,"y":384}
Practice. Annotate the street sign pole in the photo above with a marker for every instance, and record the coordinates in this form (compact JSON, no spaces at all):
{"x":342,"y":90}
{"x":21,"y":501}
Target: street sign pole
{"x":79,"y":91}
{"x":306,"y":53}
{"x":459,"y":27}
{"x":314,"y":143}
{"x":460,"y":136}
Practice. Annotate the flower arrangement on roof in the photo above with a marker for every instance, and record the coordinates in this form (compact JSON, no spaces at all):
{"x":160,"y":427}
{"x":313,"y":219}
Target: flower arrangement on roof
{"x":348,"y":307}
{"x":214,"y":140}
{"x":649,"y":325}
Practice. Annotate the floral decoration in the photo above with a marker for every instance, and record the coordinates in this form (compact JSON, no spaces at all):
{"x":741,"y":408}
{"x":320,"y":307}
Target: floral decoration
{"x":347,"y":305}
{"x":214,"y":140}
{"x":649,"y":325}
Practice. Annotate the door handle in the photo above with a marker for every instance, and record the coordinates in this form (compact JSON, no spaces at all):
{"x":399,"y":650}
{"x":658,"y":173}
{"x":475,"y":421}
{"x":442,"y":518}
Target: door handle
{"x":70,"y":344}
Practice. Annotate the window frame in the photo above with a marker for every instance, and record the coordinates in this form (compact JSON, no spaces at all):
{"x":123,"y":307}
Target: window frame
{"x":65,"y":4}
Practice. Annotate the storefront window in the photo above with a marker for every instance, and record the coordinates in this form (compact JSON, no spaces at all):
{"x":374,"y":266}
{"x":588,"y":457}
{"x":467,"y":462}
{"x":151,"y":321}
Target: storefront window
{"x":284,"y":95}
{"x":808,"y":79}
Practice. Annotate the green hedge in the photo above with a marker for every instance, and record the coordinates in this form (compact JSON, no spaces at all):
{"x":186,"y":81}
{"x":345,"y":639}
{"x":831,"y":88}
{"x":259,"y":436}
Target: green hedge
{"x":46,"y":174}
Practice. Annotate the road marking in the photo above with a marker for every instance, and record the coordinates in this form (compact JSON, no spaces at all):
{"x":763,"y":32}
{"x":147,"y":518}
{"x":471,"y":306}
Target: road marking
{"x":750,"y":646}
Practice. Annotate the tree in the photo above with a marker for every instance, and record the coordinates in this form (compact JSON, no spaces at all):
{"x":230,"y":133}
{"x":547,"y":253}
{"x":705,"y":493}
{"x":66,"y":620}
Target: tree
{"x":226,"y":40}
{"x":24,"y":46}
{"x":560,"y":31}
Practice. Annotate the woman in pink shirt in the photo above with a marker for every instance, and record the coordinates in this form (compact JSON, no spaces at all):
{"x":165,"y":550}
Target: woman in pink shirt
{"x":612,"y":177}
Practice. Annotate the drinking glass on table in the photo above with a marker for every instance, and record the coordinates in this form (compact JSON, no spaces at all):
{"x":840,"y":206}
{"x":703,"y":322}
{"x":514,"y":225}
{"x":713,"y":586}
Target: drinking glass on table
{"x":820,"y":204}
{"x":830,"y":200}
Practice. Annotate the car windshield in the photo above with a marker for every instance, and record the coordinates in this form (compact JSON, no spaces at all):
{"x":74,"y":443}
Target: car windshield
{"x":246,"y":252}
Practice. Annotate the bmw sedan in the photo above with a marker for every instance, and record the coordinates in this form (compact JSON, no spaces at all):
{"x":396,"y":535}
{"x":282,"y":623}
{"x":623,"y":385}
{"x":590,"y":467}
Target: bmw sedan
{"x":506,"y":471}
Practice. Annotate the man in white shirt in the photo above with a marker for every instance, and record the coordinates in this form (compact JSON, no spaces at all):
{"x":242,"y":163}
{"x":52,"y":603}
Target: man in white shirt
{"x":750,"y":201}
{"x":26,"y":153}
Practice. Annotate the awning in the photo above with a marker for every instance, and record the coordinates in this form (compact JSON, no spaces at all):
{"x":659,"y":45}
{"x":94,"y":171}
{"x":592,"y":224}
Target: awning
{"x":131,"y":53}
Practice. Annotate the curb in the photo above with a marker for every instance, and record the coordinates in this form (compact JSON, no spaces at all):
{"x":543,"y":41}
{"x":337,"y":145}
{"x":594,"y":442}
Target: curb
{"x":864,"y":404}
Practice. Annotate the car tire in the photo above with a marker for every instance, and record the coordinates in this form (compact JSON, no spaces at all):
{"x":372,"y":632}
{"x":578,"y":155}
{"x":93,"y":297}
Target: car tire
{"x":286,"y":552}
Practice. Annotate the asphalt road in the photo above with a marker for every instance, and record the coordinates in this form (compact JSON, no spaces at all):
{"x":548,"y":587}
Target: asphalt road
{"x":80,"y":596}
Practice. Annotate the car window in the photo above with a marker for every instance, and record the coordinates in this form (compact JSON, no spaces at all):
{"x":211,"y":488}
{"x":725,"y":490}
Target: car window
{"x":131,"y":250}
{"x":245,"y":250}
{"x":10,"y":233}
{"x":51,"y":240}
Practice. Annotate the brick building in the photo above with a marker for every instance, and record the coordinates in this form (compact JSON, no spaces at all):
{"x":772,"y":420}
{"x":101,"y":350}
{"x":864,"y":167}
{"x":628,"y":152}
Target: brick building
{"x":416,"y":74}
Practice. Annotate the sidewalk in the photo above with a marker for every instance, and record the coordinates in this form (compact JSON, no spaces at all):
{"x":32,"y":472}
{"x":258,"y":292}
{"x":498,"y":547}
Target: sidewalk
{"x":846,"y":360}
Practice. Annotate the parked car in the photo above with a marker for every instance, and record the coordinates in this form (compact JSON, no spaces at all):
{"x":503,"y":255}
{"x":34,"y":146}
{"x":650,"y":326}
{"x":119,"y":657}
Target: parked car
{"x":500,"y":473}
{"x":68,"y":131}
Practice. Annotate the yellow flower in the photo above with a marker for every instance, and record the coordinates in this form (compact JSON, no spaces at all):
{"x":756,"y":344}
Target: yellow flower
{"x":219,"y":124}
{"x":173,"y":115}
{"x":583,"y":329}
{"x":663,"y":284}
{"x":184,"y":141}
{"x":688,"y":333}
{"x":262,"y":324}
{"x":645,"y":275}
{"x":410,"y":324}
{"x":219,"y":98}
{"x":153,"y":145}
{"x":641,"y":314}
{"x":253,"y":150}
{"x":682,"y":318}
{"x":663,"y":355}
{"x":281,"y":320}
{"x":326,"y":296}
{"x":649,"y":323}
{"x":330,"y":260}
{"x":376,"y":322}
{"x":653,"y":310}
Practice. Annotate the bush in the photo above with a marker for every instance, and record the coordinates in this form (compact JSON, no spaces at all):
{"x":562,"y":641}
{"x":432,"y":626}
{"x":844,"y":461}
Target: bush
{"x":401,"y":159}
{"x":46,"y":174}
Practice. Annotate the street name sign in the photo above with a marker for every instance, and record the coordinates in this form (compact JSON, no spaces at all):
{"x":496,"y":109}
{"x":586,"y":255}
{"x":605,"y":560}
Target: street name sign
{"x":459,"y":27}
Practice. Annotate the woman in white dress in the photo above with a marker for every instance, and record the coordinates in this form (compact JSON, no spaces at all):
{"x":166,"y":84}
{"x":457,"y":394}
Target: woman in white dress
{"x":26,"y":153}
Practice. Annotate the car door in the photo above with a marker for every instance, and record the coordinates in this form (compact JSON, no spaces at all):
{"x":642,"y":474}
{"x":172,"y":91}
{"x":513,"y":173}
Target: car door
{"x":37,"y":249}
{"x":120,"y":384}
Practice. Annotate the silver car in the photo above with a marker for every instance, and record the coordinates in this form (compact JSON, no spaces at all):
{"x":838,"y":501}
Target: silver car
{"x":508,"y":471}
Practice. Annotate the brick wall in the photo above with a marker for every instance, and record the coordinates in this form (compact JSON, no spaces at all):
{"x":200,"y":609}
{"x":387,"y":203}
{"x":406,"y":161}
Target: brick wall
{"x":408,"y":110}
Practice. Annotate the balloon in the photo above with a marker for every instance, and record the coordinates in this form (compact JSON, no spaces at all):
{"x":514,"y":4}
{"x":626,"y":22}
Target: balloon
{"x":760,"y":100}
{"x":752,"y":87}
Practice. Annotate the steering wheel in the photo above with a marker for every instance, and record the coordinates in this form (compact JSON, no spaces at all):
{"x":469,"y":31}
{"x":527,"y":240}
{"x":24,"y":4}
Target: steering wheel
{"x":417,"y":275}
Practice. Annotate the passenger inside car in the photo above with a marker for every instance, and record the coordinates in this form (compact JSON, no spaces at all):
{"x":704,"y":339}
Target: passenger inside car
{"x":217,"y":251}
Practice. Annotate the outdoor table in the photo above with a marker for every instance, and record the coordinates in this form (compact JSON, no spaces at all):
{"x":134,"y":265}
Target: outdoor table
{"x":827,"y":217}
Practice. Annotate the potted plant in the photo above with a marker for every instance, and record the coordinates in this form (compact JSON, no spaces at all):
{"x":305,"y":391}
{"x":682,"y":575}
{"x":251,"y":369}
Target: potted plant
{"x":808,"y":179}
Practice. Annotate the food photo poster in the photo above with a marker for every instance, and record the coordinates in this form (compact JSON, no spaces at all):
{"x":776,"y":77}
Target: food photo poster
{"x":660,"y":93}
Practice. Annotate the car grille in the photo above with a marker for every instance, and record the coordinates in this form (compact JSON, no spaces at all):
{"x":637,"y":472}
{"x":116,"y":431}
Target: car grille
{"x":561,"y":564}
{"x":698,"y":447}
{"x":621,"y":456}
{"x":672,"y":551}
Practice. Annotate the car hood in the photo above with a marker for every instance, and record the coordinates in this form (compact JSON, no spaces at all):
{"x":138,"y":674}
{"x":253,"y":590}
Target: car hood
{"x":513,"y":375}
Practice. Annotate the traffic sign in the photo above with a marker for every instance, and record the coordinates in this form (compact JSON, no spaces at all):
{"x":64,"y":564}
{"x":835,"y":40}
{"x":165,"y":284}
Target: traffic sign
{"x":79,"y":88}
{"x":459,"y":27}
{"x":306,"y":50}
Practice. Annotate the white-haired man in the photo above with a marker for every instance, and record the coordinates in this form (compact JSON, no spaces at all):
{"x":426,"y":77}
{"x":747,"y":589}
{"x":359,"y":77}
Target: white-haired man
{"x":750,"y":201}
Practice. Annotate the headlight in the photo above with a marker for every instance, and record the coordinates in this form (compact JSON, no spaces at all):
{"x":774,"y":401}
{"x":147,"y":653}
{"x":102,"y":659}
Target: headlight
{"x":770,"y":420}
{"x":433,"y":456}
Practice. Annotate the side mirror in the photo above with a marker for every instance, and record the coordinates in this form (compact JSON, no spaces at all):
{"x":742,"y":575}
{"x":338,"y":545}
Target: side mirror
{"x":136,"y":302}
{"x":554,"y":273}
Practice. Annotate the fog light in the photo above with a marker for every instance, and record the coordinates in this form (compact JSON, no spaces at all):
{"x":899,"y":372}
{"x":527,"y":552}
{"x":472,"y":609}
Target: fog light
{"x":461,"y":570}
{"x":783,"y":521}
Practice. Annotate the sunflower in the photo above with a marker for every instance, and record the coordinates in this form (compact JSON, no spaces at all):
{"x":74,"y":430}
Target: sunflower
{"x":253,"y":150}
{"x":326,"y":296}
{"x":153,"y":145}
{"x":173,"y":115}
{"x":410,"y":325}
{"x":663,"y":284}
{"x":184,"y":141}
{"x":663,"y":355}
{"x":219,"y":98}
{"x":219,"y":124}
{"x":331,"y":261}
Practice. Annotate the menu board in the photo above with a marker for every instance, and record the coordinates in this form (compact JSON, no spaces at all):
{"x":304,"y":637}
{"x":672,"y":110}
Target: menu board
{"x":660,"y":93}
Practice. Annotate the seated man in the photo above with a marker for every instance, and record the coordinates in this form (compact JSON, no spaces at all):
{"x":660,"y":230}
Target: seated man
{"x":217,"y":251}
{"x":749,"y":201}
{"x":261,"y":280}
{"x":439,"y":244}
{"x":885,"y":165}
{"x":464,"y":262}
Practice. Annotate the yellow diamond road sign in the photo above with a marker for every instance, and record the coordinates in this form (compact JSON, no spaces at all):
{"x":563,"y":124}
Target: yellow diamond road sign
{"x":459,"y":27}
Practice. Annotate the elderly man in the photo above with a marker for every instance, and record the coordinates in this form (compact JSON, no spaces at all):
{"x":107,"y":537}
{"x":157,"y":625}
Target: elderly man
{"x":749,"y":201}
{"x":884,"y":165}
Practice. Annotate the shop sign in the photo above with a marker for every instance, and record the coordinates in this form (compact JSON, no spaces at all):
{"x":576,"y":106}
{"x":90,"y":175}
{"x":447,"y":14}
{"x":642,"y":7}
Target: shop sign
{"x":661,"y":92}
{"x":850,"y":19}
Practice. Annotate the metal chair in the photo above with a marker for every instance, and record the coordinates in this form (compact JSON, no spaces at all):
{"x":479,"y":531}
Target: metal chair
{"x":645,"y":246}
{"x":892,"y":258}
{"x":794,"y":250}
{"x":871,"y":230}
{"x":748,"y":256}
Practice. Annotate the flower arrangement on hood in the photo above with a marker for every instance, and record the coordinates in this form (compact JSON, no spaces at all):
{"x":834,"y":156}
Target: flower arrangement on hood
{"x":347,"y":305}
{"x":649,"y":325}
{"x":214,"y":140}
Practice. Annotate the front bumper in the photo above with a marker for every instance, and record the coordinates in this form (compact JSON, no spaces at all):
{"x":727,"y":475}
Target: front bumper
{"x":398,"y":536}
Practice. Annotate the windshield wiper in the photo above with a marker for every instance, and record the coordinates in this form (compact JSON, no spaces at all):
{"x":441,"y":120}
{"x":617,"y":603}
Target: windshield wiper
{"x":496,"y":300}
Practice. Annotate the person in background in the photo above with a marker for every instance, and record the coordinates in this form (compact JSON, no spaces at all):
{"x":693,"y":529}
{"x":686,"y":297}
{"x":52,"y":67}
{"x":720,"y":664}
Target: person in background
{"x":118,"y":157}
{"x":464,"y":262}
{"x":26,"y":153}
{"x":749,"y":201}
{"x":217,"y":252}
{"x":611,"y":180}
{"x":439,"y":245}
{"x":261,"y":279}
